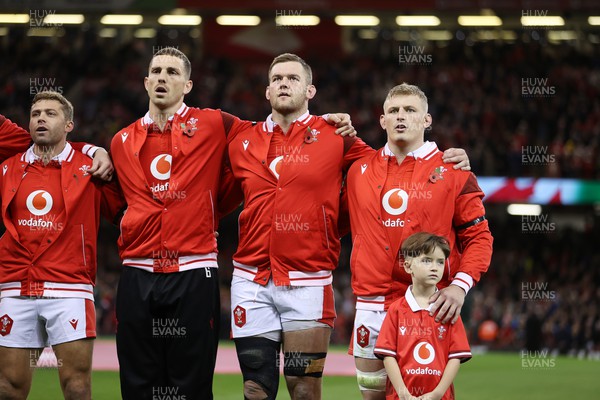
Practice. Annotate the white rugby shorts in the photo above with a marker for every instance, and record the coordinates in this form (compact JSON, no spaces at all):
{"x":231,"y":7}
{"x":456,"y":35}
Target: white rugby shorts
{"x":367,"y":325}
{"x":257,"y":310}
{"x":28,"y":322}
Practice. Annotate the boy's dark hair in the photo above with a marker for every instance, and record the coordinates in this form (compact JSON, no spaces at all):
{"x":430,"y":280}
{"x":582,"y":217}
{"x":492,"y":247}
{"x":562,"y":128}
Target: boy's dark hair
{"x":424,"y":243}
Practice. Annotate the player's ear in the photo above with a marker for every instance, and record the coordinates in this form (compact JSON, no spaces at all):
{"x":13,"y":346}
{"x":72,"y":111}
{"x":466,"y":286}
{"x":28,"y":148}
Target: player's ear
{"x":428,"y":121}
{"x":406,"y":265}
{"x":382,"y":121}
{"x":311,"y":91}
{"x":188,"y":87}
{"x":69,"y":126}
{"x":267,"y":95}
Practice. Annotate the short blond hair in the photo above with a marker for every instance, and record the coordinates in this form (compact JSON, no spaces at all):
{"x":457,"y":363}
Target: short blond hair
{"x":66,"y":105}
{"x":404,"y":89}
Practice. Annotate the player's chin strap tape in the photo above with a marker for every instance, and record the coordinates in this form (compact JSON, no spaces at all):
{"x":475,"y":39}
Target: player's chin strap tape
{"x":259,"y":362}
{"x":470,"y":223}
{"x":374,"y":381}
{"x":297,"y":363}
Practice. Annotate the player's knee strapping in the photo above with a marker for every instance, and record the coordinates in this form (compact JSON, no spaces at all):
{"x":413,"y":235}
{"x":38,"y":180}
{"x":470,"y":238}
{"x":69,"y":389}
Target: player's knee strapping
{"x":372,"y":380}
{"x":259,"y":362}
{"x":297,"y":363}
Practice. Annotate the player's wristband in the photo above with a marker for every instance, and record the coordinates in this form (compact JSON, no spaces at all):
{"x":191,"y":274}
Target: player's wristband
{"x":463,"y":281}
{"x":89,"y":150}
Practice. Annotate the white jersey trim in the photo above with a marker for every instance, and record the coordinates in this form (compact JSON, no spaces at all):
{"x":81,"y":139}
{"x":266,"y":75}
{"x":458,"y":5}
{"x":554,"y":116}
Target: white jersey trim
{"x":185,"y":263}
{"x":49,"y":289}
{"x":318,"y":278}
{"x":384,"y":351}
{"x":244,"y":271}
{"x":371,"y":303}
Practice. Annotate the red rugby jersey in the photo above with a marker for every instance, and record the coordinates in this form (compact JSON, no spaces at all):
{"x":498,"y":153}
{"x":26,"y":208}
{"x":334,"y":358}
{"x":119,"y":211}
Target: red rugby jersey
{"x":421,"y":346}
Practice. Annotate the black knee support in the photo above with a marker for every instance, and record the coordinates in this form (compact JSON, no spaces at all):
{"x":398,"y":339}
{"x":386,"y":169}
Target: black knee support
{"x":297,"y":363}
{"x":258,"y":359}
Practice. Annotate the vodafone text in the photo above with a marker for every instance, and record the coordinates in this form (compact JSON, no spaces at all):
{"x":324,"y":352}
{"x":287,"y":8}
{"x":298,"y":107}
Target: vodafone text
{"x":423,"y":371}
{"x":39,"y":224}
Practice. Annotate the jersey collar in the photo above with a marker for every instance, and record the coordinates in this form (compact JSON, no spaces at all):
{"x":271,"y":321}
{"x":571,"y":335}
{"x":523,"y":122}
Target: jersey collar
{"x":147,"y":121}
{"x":412,"y":302}
{"x":426,"y":151}
{"x":269,"y":124}
{"x":65,"y":155}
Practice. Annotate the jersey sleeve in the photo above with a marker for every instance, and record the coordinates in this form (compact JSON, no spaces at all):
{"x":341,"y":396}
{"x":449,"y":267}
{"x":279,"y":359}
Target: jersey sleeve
{"x":386,"y":345}
{"x":112,"y":205}
{"x":233,"y":125}
{"x":354,"y":149}
{"x":459,"y":345}
{"x":230,"y":192}
{"x":13,"y":138}
{"x":473,"y":234}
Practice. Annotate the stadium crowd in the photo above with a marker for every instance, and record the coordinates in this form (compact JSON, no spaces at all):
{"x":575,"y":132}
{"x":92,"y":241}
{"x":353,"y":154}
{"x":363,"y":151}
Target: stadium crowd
{"x":477,"y":96}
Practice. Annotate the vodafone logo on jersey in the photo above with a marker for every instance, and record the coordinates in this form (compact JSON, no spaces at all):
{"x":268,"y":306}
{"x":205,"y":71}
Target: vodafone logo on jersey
{"x":160,"y":167}
{"x":275,"y":166}
{"x":39,"y":202}
{"x":395,"y":201}
{"x":424,"y":353}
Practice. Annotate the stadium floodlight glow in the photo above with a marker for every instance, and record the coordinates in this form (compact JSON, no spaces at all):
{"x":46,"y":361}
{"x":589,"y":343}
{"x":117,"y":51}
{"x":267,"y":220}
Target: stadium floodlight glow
{"x":562,"y":35}
{"x":144,"y":33}
{"x":356,"y":20}
{"x":185,"y":20}
{"x":524,"y":209}
{"x":45,"y":32}
{"x":437,"y":35}
{"x":122,"y":19}
{"x":367,"y":34}
{"x":238,"y":20}
{"x":479,"y":20}
{"x":542,"y":21}
{"x":64,"y":19}
{"x":417,"y":20}
{"x":594,"y":20}
{"x":14,"y":18}
{"x":297,"y":20}
{"x":107,"y":32}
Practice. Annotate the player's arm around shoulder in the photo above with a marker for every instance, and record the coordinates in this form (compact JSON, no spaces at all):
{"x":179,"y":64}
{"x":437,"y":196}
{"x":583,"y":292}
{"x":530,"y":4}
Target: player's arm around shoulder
{"x":13,"y":138}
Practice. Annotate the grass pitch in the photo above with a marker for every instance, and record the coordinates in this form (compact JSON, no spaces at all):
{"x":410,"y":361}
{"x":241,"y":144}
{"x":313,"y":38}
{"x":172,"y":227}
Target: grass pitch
{"x":485,"y":377}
